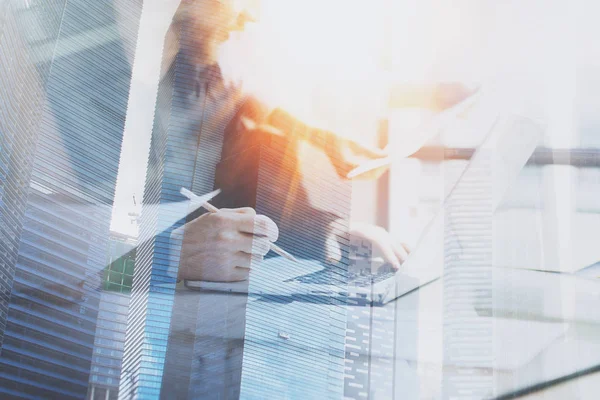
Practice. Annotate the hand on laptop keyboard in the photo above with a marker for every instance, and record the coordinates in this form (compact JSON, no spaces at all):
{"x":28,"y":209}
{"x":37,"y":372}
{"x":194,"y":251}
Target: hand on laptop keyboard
{"x":373,"y":242}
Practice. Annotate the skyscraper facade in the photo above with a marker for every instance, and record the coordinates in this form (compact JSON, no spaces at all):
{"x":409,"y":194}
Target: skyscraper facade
{"x":291,"y":180}
{"x":369,"y":349}
{"x":185,"y":114}
{"x":111,"y":325}
{"x":82,"y":52}
{"x":468,"y":341}
{"x":22,"y":97}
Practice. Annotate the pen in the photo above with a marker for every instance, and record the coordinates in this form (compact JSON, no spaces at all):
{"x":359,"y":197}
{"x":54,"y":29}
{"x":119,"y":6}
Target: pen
{"x":209,"y":207}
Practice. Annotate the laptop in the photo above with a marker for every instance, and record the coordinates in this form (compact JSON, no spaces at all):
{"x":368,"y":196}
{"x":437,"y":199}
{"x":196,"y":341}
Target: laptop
{"x":503,"y":153}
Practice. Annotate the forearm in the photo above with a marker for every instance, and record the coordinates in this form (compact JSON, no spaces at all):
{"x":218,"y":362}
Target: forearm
{"x":294,"y":128}
{"x":404,"y":95}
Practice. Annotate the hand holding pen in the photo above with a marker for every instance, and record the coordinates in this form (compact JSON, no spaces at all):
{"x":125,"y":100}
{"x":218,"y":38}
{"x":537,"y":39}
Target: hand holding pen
{"x":242,"y":228}
{"x":222,"y":246}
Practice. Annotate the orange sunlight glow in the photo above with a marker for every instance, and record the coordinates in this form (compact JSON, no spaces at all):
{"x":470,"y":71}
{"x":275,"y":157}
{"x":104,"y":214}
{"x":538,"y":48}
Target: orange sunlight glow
{"x":321,"y":61}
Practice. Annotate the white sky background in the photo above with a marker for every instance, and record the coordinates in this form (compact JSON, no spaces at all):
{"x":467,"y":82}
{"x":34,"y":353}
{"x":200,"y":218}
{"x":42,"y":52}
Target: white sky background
{"x":156,"y":16}
{"x":528,"y":51}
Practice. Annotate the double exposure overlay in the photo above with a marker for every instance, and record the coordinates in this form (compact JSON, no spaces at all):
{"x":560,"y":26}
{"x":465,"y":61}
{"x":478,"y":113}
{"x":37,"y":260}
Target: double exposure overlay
{"x":286,"y":199}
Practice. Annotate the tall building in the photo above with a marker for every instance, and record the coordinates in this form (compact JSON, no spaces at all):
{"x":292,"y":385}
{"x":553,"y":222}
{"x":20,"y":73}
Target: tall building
{"x":468,"y":339}
{"x":22,"y":95}
{"x":191,"y":108}
{"x":111,"y":325}
{"x":295,"y":184}
{"x":369,"y":344}
{"x":82,"y":52}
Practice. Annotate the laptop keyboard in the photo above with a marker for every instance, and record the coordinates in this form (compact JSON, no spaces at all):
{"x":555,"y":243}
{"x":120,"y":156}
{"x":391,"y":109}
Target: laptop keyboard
{"x":359,"y":269}
{"x":370,"y":279}
{"x":361,"y":279}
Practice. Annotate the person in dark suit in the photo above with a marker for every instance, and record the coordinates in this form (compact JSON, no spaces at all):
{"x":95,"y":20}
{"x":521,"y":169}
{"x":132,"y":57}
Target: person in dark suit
{"x":282,"y":180}
{"x":222,"y":246}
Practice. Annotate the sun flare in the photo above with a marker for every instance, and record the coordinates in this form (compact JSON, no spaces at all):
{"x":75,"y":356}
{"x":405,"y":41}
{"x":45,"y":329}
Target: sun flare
{"x":319,"y":60}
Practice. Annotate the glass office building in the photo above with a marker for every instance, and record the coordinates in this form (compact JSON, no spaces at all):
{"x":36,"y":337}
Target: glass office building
{"x":111,"y":325}
{"x":369,"y":344}
{"x":170,"y":167}
{"x":468,"y":252}
{"x":185,"y":114}
{"x":310,"y":203}
{"x":82,"y":53}
{"x":21,"y":101}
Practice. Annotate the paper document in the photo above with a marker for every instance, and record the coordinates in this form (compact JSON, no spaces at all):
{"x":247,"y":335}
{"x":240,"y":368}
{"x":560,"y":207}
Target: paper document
{"x":592,"y":271}
{"x":424,"y":133}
